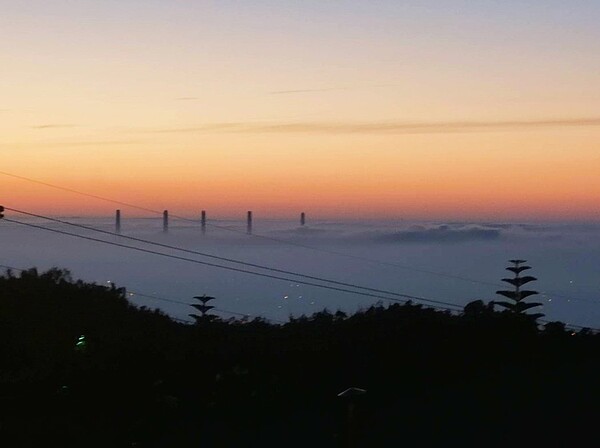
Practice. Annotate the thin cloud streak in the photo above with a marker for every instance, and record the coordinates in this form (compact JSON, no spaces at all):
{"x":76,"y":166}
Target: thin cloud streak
{"x":53,"y":126}
{"x":69,"y":144}
{"x":331,"y":89}
{"x":384,"y":127}
{"x":286,"y":92}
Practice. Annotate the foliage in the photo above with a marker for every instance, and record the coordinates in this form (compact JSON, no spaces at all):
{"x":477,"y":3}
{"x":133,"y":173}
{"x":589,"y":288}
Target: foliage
{"x":517,"y":296}
{"x":144,"y":380}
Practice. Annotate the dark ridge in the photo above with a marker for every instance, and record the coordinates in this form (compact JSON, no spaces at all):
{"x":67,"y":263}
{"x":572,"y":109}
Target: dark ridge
{"x":81,"y":366}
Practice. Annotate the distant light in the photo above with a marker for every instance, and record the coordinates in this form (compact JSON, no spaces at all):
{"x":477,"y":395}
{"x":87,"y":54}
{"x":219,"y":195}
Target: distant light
{"x":286,"y":297}
{"x":81,"y":343}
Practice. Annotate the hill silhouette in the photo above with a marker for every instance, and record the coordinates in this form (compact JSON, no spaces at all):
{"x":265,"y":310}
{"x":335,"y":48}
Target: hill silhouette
{"x":81,"y":366}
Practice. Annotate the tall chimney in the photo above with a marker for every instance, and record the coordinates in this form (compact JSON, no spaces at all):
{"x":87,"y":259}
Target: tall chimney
{"x":249,"y":224}
{"x":118,"y":221}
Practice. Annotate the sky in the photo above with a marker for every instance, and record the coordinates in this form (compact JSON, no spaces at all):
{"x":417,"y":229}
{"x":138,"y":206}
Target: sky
{"x":429,"y":109}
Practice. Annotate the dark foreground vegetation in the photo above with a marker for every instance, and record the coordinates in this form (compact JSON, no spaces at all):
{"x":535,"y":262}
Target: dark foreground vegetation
{"x":139,"y":379}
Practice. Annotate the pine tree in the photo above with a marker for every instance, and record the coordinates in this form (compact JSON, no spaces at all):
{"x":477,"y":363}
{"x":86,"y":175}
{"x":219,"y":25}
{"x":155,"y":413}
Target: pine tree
{"x":203,"y":308}
{"x":517,"y":304}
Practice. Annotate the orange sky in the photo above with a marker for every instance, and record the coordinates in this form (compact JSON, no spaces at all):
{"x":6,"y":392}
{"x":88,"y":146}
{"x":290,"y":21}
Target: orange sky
{"x":394,"y":112}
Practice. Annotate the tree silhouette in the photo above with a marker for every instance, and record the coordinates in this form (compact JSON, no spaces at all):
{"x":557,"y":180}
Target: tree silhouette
{"x":517,"y":304}
{"x":203,"y":308}
{"x":478,"y":308}
{"x":145,"y":380}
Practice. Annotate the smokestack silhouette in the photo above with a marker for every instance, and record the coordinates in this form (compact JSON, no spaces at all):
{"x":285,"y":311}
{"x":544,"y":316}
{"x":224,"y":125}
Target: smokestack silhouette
{"x":203,"y":221}
{"x":118,"y":221}
{"x":249,"y":224}
{"x":165,"y":221}
{"x":302,"y":218}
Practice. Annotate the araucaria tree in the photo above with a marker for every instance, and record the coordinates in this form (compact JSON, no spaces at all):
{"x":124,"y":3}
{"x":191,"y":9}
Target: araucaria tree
{"x":203,"y":308}
{"x":517,"y":296}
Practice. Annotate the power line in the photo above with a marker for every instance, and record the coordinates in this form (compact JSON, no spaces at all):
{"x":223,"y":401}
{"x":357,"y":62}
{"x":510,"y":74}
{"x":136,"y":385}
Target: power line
{"x":150,"y":296}
{"x":290,"y":243}
{"x":253,"y":265}
{"x":245,"y":271}
{"x":4,"y":266}
{"x":229,"y":260}
{"x":183,"y":321}
{"x":131,"y":293}
{"x":70,"y":190}
{"x":254,"y":235}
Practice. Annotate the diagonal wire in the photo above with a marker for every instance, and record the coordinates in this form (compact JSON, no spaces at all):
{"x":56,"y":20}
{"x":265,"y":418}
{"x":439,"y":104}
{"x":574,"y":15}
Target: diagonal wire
{"x":572,"y":326}
{"x":230,"y":268}
{"x":287,"y":242}
{"x":229,"y":260}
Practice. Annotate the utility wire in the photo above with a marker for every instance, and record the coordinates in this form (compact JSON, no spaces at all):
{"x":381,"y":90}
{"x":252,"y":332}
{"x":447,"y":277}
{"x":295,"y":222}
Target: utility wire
{"x":3,"y":266}
{"x":229,"y":268}
{"x":180,"y":302}
{"x":287,"y":242}
{"x":253,"y":235}
{"x":229,"y":260}
{"x":570,"y":326}
{"x":70,"y":190}
{"x":131,"y":293}
{"x":183,"y":321}
{"x":253,"y":265}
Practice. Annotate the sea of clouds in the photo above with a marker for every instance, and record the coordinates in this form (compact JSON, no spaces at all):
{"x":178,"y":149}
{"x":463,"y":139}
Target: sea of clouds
{"x":453,"y":262}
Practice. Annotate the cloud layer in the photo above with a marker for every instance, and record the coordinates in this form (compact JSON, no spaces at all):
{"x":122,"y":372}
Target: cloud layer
{"x":441,"y":234}
{"x":383,"y":127}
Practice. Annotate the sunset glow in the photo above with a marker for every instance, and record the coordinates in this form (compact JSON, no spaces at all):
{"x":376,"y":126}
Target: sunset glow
{"x":436,"y":112}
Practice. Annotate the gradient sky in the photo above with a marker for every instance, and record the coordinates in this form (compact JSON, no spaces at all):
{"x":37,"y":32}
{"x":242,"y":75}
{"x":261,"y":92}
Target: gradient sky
{"x":422,"y":109}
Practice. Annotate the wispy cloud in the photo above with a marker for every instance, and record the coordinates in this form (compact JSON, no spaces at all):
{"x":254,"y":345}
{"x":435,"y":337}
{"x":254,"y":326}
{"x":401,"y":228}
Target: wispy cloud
{"x":68,"y":144}
{"x":286,"y":92}
{"x":96,"y":143}
{"x":383,"y":127}
{"x":440,"y":234}
{"x":53,"y":126}
{"x":331,"y":89}
{"x":187,"y":98}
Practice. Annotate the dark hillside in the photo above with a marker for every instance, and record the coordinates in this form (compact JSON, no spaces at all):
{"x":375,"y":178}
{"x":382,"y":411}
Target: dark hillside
{"x":80,"y":366}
